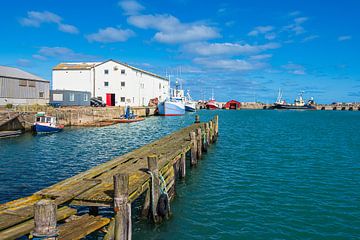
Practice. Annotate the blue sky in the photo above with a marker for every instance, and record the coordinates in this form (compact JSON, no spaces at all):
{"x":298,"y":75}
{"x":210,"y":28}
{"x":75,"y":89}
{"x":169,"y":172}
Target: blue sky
{"x":243,"y":49}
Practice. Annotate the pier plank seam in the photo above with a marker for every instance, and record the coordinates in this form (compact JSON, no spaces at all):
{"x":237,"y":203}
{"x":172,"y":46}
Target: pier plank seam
{"x":95,"y":188}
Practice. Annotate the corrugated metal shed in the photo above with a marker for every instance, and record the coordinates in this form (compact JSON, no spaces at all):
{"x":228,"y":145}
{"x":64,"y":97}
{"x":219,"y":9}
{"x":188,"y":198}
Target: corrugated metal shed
{"x":11,"y":72}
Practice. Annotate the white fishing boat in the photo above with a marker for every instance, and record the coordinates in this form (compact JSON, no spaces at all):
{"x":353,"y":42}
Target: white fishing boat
{"x":175,"y":105}
{"x":190,"y":104}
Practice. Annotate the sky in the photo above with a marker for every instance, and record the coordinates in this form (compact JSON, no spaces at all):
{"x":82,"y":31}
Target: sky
{"x":238,"y":49}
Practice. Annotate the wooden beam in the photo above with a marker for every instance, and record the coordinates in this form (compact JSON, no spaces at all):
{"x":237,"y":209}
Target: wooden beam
{"x":45,"y":220}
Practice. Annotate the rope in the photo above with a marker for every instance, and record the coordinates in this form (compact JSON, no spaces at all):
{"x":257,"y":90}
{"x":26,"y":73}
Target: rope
{"x":164,"y":189}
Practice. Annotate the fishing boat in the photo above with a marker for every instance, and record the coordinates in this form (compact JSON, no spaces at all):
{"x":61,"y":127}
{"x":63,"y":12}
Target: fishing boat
{"x":299,"y":103}
{"x":128,"y":117}
{"x":212,"y":104}
{"x":46,"y":124}
{"x":175,"y":105}
{"x":190,"y":104}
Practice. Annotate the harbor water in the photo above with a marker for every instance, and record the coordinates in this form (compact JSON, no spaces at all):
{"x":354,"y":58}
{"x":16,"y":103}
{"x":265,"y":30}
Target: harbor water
{"x":271,"y":174}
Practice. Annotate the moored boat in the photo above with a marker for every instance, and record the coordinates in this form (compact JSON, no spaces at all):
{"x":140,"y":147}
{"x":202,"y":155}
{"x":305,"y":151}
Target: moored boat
{"x":299,"y":103}
{"x":46,"y":124}
{"x":212,"y":104}
{"x":175,"y":105}
{"x":190,"y":105}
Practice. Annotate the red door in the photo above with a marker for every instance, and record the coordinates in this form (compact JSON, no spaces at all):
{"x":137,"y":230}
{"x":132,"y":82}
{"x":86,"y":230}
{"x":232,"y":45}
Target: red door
{"x":110,"y":99}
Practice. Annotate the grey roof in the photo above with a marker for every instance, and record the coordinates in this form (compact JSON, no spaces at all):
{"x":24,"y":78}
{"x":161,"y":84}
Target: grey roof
{"x":12,"y":72}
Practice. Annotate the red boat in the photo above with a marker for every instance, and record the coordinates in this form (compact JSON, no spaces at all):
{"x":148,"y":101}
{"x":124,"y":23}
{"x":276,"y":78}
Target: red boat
{"x":212,"y":105}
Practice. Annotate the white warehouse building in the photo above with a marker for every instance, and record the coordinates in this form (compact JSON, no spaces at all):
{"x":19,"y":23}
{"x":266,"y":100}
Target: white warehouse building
{"x":115,"y":83}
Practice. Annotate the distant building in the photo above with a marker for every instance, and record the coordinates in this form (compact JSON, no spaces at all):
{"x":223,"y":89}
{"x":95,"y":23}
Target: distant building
{"x":18,"y":87}
{"x":115,"y":83}
{"x":69,"y":98}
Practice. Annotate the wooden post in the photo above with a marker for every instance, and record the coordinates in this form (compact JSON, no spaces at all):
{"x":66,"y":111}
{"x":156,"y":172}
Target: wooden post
{"x":207,"y":134}
{"x":211,"y":126}
{"x":122,"y":209}
{"x":216,"y":120}
{"x":205,"y":143}
{"x":45,"y":220}
{"x":155,"y":186}
{"x":199,"y":143}
{"x":197,"y":119}
{"x":147,"y":203}
{"x":193,"y":148}
{"x":183,"y":165}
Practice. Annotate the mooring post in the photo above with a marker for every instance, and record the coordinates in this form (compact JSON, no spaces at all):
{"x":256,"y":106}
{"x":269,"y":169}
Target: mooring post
{"x":197,"y":119}
{"x":155,"y":186}
{"x":216,"y":120}
{"x":193,"y":148}
{"x":122,"y":208}
{"x":211,"y":126}
{"x":199,"y":143}
{"x":45,"y":220}
{"x":183,"y":165}
{"x":208,"y":134}
{"x":147,"y":203}
{"x":205,"y":143}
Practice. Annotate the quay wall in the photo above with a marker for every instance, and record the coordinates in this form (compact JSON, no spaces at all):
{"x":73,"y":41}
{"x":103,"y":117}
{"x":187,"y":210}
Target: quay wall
{"x":74,"y":116}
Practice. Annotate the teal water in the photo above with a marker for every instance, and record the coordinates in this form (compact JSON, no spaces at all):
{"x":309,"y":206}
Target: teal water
{"x":271,"y":175}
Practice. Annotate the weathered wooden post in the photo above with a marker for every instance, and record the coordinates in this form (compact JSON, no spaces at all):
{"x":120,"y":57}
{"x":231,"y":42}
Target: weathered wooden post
{"x":207,"y":128}
{"x":122,"y":208}
{"x":155,"y":186}
{"x":183,"y":165}
{"x":146,"y":205}
{"x":204,"y":138}
{"x":216,"y":120}
{"x":197,"y":119}
{"x":199,"y":143}
{"x":193,"y":156}
{"x":211,"y":126}
{"x":45,"y":220}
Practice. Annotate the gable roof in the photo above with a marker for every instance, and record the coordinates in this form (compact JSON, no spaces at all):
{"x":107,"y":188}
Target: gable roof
{"x":12,"y":72}
{"x":90,"y":65}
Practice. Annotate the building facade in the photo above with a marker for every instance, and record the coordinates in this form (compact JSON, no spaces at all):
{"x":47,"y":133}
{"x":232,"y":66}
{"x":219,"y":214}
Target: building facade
{"x":115,"y":83}
{"x":18,"y":87}
{"x":69,"y":98}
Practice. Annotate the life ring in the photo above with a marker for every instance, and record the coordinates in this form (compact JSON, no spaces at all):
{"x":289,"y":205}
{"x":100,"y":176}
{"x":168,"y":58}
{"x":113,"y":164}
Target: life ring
{"x":163,"y":205}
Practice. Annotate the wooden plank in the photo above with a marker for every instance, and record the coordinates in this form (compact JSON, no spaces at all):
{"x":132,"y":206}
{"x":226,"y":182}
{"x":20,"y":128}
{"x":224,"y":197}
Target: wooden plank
{"x":81,"y":227}
{"x":27,"y":226}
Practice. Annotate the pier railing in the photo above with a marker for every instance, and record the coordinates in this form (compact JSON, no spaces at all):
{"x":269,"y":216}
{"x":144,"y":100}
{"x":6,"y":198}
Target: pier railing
{"x":150,"y":171}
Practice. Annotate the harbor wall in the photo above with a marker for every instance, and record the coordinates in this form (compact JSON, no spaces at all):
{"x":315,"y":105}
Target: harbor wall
{"x":74,"y":116}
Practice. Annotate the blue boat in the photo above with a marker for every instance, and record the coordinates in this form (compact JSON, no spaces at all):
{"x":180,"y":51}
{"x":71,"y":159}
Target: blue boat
{"x":46,"y":124}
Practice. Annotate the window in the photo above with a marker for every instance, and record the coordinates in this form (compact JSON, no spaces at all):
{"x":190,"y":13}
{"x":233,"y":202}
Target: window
{"x":142,"y":85}
{"x":23,"y":83}
{"x":122,"y":99}
{"x":41,"y":94}
{"x":123,"y":84}
{"x":106,"y":84}
{"x":122,"y":71}
{"x":72,"y":97}
{"x":58,"y":97}
{"x":86,"y":97}
{"x":159,"y":85}
{"x":31,"y":83}
{"x":106,"y":71}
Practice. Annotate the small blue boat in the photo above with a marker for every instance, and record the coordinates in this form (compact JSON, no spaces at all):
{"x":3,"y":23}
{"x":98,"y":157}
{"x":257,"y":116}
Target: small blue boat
{"x":46,"y":124}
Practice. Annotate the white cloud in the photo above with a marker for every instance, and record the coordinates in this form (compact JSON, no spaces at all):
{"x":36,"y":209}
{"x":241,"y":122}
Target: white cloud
{"x":68,"y":28}
{"x":61,"y":53}
{"x":310,"y":38}
{"x":212,"y":49}
{"x":36,"y":19}
{"x":270,"y":36}
{"x":294,"y":68}
{"x":296,"y":27}
{"x":344,"y":38}
{"x":294,"y":13}
{"x":110,"y":34}
{"x":171,"y":30}
{"x":260,"y":30}
{"x":261,"y":57}
{"x":39,"y":57}
{"x":236,"y":65}
{"x":131,"y":7}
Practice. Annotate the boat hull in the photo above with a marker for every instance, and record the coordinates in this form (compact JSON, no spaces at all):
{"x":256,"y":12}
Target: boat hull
{"x":124,"y":120}
{"x":169,"y":108}
{"x":41,"y":128}
{"x":292,"y":107}
{"x":190,"y":107}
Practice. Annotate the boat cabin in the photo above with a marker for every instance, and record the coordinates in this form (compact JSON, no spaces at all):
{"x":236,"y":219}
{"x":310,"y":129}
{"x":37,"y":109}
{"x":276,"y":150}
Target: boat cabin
{"x":42,"y":118}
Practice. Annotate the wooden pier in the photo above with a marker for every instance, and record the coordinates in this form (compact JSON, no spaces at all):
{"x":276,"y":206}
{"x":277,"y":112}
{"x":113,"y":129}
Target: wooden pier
{"x":149,"y":172}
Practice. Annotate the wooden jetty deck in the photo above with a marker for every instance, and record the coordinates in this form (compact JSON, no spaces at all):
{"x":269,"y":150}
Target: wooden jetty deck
{"x":150,"y":171}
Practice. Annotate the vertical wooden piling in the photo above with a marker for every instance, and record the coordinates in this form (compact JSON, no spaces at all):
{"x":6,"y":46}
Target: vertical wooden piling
{"x":183,"y":165}
{"x":197,"y":119}
{"x":155,"y":186}
{"x":193,"y":148}
{"x":211,"y":126}
{"x":204,"y":138}
{"x":216,"y":130}
{"x":122,"y":209}
{"x":207,"y":129}
{"x":147,"y":203}
{"x":199,"y":143}
{"x":45,"y":220}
